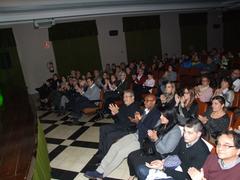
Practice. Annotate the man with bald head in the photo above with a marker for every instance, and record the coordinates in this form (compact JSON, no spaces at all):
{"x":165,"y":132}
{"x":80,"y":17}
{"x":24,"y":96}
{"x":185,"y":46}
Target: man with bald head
{"x":129,"y":143}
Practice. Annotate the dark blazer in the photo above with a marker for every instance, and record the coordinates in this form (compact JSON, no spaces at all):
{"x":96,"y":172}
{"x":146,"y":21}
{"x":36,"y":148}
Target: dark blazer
{"x":193,"y":156}
{"x":148,"y":122}
{"x":121,"y":119}
{"x":122,"y":86}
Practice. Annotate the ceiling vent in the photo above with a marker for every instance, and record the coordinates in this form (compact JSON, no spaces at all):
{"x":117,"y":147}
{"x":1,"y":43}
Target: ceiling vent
{"x":43,"y":23}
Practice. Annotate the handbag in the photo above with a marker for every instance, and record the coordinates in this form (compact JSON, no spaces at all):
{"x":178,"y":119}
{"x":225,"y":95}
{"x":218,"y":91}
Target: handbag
{"x":148,"y":147}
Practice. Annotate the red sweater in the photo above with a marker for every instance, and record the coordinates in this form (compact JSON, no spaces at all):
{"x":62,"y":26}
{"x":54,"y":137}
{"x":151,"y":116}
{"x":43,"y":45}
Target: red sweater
{"x":213,"y":171}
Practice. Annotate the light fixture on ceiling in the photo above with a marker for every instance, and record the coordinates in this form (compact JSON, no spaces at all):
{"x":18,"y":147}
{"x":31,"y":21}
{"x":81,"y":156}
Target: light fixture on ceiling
{"x":43,"y":23}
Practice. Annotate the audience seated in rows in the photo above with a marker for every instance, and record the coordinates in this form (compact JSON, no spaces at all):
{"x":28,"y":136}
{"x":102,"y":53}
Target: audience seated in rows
{"x":133,"y":127}
{"x":129,"y":143}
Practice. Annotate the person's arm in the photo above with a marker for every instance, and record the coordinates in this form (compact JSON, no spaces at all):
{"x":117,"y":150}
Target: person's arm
{"x":178,"y":147}
{"x":195,"y":174}
{"x":236,"y":85}
{"x":151,"y":83}
{"x":114,"y":109}
{"x":149,"y":122}
{"x":229,"y":98}
{"x":169,"y":142}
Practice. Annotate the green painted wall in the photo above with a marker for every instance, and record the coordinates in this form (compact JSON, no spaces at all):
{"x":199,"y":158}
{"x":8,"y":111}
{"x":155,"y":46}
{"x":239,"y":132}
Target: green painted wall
{"x":80,"y":53}
{"x":75,"y":46}
{"x":42,"y":170}
{"x":143,"y":44}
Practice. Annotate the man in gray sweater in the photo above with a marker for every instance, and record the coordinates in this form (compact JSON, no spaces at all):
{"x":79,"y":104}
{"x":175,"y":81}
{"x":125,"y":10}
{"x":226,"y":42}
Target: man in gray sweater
{"x":85,"y":99}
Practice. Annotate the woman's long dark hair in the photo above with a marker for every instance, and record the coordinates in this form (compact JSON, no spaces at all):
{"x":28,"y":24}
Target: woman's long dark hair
{"x":171,"y":115}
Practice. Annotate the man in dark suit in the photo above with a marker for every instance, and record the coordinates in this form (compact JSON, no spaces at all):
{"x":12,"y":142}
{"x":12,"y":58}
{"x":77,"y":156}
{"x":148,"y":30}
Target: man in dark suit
{"x":129,"y":143}
{"x":111,"y":96}
{"x":191,"y":150}
{"x":122,"y":125}
{"x":138,"y":84}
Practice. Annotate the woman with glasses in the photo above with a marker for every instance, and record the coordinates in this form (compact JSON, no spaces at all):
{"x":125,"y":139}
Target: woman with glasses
{"x":186,"y":105}
{"x":223,"y":165}
{"x":215,"y":120}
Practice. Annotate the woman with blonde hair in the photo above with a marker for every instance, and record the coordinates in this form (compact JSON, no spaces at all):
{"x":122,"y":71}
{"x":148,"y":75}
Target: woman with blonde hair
{"x":167,"y":99}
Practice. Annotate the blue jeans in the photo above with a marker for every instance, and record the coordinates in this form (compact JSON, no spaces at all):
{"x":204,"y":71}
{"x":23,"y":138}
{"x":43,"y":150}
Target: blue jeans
{"x":142,"y":172}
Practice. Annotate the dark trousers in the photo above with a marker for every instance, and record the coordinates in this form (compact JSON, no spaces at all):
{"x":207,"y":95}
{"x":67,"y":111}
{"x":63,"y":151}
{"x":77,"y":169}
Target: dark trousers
{"x":109,"y":134}
{"x":80,"y":103}
{"x":137,"y":158}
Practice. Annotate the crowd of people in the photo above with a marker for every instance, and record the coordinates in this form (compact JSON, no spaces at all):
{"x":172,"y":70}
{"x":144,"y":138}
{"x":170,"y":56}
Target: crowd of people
{"x":158,"y":127}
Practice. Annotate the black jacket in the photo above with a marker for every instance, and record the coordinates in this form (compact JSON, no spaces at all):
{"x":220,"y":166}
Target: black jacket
{"x":149,"y":122}
{"x":194,"y":156}
{"x":121,"y":119}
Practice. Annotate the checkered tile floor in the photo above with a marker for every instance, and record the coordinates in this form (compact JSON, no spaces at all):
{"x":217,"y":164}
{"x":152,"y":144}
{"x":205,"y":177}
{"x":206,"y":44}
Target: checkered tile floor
{"x":71,"y":147}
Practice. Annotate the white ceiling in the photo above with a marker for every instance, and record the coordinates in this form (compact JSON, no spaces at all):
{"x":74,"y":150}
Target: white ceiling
{"x":20,"y":11}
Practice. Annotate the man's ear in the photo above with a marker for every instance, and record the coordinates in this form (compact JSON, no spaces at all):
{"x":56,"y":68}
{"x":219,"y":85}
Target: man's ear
{"x":199,"y":134}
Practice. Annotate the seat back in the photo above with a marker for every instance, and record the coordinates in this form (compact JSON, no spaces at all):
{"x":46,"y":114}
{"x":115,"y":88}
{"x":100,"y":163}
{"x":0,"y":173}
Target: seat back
{"x":211,"y":146}
{"x":202,"y":107}
{"x":236,"y":100}
{"x":230,"y":115}
{"x":101,"y":98}
{"x":119,"y":103}
{"x":236,"y":123}
{"x":92,"y":110}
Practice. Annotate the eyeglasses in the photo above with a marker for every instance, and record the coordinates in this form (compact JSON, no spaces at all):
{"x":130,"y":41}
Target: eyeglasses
{"x":127,"y":96}
{"x":224,"y":146}
{"x":147,"y":100}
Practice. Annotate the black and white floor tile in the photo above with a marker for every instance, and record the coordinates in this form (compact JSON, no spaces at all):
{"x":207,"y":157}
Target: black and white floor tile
{"x":71,"y":147}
